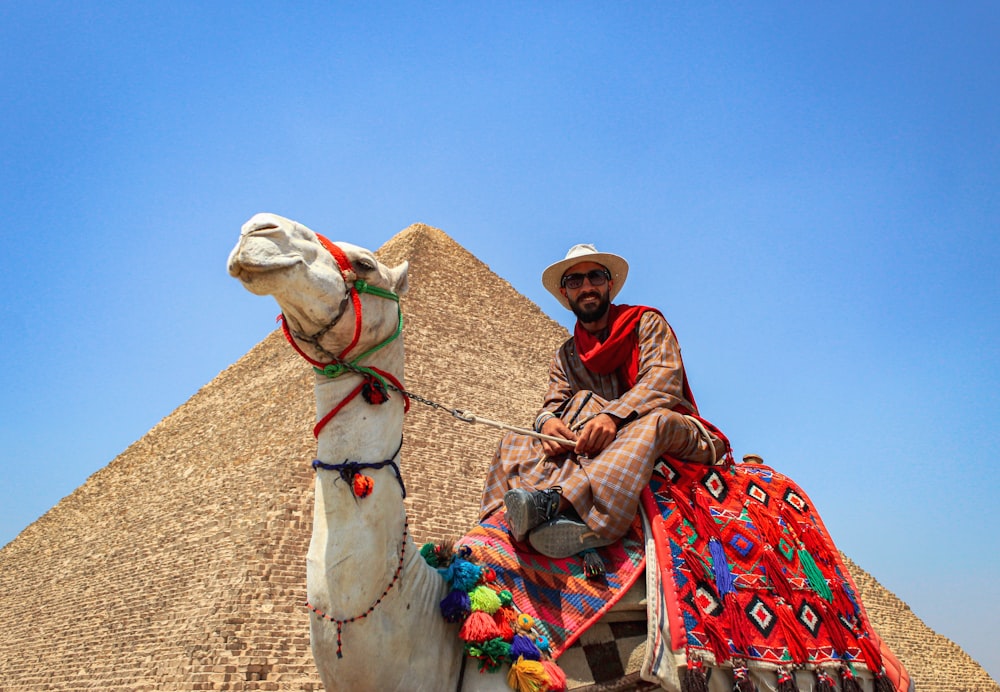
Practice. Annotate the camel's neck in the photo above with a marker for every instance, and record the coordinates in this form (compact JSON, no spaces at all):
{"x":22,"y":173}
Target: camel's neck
{"x":360,"y":430}
{"x":356,"y":540}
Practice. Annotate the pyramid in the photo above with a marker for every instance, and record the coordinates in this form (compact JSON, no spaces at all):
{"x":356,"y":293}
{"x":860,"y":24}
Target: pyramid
{"x":181,"y":564}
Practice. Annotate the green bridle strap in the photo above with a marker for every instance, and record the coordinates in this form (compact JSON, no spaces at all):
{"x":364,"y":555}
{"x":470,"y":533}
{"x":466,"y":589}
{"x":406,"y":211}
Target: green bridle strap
{"x":363,"y":286}
{"x":337,"y":369}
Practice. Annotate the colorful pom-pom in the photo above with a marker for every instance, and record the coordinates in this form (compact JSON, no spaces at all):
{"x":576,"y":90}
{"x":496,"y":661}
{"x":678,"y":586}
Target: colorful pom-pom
{"x":493,"y":631}
{"x":428,"y":551}
{"x":503,"y":624}
{"x":478,"y":627}
{"x":455,"y":605}
{"x":362,"y":485}
{"x":485,"y":599}
{"x":491,"y":653}
{"x":527,"y":676}
{"x":374,"y":392}
{"x":461,"y":574}
{"x":523,"y":646}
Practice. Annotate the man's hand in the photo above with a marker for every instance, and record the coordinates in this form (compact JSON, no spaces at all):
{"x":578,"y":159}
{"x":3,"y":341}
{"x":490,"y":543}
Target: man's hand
{"x":556,"y":428}
{"x":597,"y":433}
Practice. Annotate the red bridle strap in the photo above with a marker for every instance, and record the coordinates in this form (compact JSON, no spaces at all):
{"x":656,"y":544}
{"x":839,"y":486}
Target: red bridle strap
{"x":347,"y":271}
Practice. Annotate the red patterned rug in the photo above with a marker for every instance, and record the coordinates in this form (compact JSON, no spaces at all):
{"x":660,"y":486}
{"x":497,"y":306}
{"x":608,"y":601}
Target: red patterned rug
{"x":751,"y":578}
{"x":557,"y":593}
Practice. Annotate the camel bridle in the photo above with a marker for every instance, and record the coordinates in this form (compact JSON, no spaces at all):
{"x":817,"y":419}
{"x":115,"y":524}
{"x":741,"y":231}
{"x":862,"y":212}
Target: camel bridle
{"x":374,"y":387}
{"x":375,"y":382}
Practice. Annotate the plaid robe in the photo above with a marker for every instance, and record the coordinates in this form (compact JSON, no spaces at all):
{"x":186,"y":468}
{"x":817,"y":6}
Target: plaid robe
{"x":604,"y":490}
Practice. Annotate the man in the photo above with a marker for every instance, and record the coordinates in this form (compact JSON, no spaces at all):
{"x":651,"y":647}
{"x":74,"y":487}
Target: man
{"x":617,"y":401}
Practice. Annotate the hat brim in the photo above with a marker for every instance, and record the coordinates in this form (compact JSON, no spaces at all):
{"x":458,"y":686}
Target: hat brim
{"x":552,"y":276}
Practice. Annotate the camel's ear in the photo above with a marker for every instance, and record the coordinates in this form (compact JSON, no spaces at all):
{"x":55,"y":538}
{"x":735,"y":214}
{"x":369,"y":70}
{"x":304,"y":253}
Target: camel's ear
{"x":399,"y":278}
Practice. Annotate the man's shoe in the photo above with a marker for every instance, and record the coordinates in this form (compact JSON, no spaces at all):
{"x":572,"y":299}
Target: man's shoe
{"x":562,"y":537}
{"x":527,"y":509}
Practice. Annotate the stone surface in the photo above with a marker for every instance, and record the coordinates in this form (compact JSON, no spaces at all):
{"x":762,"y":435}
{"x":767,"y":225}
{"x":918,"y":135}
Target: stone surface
{"x":181,"y":564}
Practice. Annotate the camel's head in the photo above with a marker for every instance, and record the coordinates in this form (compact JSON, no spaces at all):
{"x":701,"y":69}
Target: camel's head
{"x":279,"y":257}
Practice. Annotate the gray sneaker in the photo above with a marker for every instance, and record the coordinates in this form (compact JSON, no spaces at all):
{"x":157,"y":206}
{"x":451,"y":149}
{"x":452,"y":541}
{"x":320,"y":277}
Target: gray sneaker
{"x":562,"y":537}
{"x":527,"y":509}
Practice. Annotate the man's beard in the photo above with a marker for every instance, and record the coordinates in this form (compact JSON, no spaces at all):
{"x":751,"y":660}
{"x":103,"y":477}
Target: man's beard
{"x":595,"y":313}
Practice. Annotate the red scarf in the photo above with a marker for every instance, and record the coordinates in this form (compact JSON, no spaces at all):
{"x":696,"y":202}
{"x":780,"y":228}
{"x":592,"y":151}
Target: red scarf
{"x":620,"y":351}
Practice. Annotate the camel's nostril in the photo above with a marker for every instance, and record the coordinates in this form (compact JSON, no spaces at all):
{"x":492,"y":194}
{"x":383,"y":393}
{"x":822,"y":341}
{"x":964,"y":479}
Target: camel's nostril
{"x":262,"y":226}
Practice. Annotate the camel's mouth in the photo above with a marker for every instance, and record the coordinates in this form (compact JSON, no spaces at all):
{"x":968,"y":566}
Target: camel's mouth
{"x":247,"y":270}
{"x":257,"y":255}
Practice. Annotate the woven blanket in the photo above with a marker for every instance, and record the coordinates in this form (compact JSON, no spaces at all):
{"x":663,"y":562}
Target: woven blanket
{"x":751,"y":579}
{"x":557,"y":593}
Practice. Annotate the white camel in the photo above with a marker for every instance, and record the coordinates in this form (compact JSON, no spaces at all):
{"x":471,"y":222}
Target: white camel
{"x":357,"y":545}
{"x":376,"y":623}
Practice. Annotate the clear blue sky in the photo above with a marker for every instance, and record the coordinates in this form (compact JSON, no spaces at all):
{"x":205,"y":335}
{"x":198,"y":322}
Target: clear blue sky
{"x":809,"y":191}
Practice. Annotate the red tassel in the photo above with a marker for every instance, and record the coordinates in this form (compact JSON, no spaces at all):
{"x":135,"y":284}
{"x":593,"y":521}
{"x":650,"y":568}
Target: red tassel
{"x":873,"y":657}
{"x":786,"y":681}
{"x":362,"y":485}
{"x":775,"y":574}
{"x":816,"y":544}
{"x":374,"y":392}
{"x":717,"y":640}
{"x":696,"y":566}
{"x":704,"y":522}
{"x":835,"y":630}
{"x":503,"y":625}
{"x":764,"y":523}
{"x":739,"y":627}
{"x":682,"y":503}
{"x":845,"y":606}
{"x":790,"y":626}
{"x":557,"y":678}
{"x":478,"y":628}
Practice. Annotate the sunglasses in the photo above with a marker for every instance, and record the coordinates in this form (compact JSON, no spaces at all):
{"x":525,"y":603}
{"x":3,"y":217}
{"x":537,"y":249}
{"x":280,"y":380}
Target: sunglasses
{"x":597,"y":277}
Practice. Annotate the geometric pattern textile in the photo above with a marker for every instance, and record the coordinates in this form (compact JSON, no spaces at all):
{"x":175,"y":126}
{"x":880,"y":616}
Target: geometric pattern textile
{"x":557,"y":593}
{"x":751,"y":578}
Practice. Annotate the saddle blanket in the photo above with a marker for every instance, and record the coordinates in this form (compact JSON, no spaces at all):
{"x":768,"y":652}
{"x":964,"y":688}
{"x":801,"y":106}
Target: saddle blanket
{"x":742,"y":576}
{"x":750,"y":579}
{"x":557,"y":593}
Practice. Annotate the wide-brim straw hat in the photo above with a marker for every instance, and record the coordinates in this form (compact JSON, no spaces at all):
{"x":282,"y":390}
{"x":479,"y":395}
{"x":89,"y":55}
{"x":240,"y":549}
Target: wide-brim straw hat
{"x":585,"y":252}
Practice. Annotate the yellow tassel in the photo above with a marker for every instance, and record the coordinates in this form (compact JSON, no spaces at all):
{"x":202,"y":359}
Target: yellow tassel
{"x":527,"y":676}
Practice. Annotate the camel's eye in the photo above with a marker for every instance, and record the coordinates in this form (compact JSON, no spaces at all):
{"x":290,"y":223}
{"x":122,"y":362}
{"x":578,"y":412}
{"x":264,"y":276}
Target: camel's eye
{"x":364,"y":265}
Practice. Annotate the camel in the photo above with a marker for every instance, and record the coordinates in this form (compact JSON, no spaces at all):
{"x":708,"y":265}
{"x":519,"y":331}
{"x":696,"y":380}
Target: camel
{"x":375,"y":621}
{"x":357,"y":545}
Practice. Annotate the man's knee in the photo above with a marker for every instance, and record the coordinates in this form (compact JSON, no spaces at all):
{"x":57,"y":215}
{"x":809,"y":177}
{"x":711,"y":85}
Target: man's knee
{"x":685,"y":439}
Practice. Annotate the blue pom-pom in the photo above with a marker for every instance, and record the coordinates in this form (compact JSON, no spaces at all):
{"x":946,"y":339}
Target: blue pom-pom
{"x":461,"y":574}
{"x":455,"y":606}
{"x":523,"y":646}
